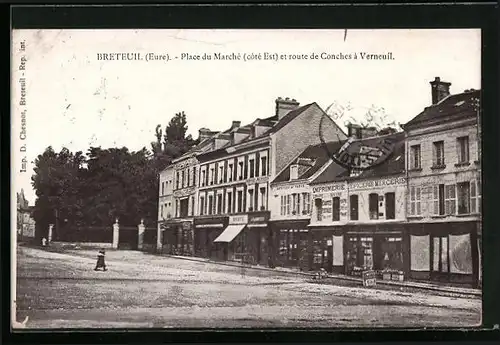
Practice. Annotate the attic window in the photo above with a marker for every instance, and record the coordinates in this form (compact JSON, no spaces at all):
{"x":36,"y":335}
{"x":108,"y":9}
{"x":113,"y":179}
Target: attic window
{"x":294,"y":172}
{"x":460,"y":103}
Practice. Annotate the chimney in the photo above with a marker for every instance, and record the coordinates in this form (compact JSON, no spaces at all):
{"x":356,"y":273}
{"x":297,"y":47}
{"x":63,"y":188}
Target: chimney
{"x":368,"y":132}
{"x":439,"y":90}
{"x":235,"y":124}
{"x":353,"y":130}
{"x":204,"y":133}
{"x":284,"y":106}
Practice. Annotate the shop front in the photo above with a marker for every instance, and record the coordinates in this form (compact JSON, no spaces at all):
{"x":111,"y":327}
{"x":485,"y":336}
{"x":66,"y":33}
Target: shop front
{"x":207,"y":229}
{"x":326,"y":249}
{"x":289,"y":243}
{"x":178,"y":237}
{"x":445,"y":252}
{"x":245,"y":239}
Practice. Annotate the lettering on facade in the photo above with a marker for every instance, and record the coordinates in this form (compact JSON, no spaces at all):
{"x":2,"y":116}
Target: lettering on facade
{"x":378,"y":183}
{"x":293,"y":186}
{"x":255,"y":180}
{"x":330,"y":188}
{"x":185,"y":164}
{"x":241,"y":219}
{"x":184,"y":192}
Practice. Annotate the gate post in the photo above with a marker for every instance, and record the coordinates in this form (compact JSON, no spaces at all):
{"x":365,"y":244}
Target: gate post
{"x":142,"y":228}
{"x":51,"y":229}
{"x":159,"y":239}
{"x":116,"y":234}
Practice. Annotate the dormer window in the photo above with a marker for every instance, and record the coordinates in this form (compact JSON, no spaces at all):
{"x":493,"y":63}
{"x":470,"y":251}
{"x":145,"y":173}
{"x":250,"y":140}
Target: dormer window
{"x":294,"y":172}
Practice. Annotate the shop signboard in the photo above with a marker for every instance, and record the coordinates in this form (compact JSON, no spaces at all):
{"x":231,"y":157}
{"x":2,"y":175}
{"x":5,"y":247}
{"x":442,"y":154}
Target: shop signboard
{"x":369,"y":278}
{"x":240,"y":219}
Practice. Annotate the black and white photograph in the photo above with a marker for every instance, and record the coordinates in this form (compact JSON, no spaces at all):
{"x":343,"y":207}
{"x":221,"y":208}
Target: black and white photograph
{"x":222,"y":179}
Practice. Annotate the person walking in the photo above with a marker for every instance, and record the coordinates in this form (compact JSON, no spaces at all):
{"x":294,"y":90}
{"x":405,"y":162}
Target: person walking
{"x":100,"y":260}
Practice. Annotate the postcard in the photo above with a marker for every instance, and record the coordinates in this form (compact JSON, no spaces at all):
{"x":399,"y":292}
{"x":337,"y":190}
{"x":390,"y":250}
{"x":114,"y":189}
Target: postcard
{"x":246,"y":178}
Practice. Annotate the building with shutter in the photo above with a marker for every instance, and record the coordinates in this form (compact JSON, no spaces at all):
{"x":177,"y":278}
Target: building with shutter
{"x":358,"y":214}
{"x":444,"y":187}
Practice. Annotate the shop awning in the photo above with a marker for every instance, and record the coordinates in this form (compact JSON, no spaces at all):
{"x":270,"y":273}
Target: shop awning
{"x":230,"y":233}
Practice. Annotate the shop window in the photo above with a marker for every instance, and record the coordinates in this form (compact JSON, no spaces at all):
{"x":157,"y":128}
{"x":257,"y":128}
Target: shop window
{"x":336,"y":209}
{"x":463,"y":191}
{"x":438,"y":153}
{"x":392,"y":253}
{"x":390,"y":205}
{"x":353,"y":204}
{"x":450,"y":199}
{"x":460,"y":254}
{"x":415,"y":198}
{"x":440,"y":256}
{"x":419,"y":253}
{"x":373,"y":205}
{"x":463,"y":149}
{"x":319,"y":209}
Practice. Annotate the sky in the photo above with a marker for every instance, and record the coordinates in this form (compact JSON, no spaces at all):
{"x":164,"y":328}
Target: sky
{"x":74,"y":100}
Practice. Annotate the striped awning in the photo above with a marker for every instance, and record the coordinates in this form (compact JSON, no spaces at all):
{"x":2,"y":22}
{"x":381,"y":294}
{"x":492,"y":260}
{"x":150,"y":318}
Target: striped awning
{"x":230,"y":233}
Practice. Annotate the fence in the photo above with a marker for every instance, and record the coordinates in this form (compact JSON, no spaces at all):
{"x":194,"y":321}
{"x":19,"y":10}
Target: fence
{"x":89,"y":234}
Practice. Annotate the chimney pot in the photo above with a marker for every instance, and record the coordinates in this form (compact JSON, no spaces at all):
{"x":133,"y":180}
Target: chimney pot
{"x":439,"y":90}
{"x":284,"y":106}
{"x":235,"y":124}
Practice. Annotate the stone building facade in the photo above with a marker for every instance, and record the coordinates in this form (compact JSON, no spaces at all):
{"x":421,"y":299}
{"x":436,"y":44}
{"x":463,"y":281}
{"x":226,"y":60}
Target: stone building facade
{"x":444,"y":187}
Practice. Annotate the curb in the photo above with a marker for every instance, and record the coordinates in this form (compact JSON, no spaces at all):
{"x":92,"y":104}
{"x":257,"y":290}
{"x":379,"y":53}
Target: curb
{"x":470,"y":293}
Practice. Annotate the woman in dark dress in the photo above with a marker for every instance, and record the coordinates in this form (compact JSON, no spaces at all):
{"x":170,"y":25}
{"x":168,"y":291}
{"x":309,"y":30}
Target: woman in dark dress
{"x":100,"y":260}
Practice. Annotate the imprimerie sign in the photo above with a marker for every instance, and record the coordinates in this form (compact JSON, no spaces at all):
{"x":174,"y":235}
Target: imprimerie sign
{"x":329,"y":188}
{"x":377,"y":183}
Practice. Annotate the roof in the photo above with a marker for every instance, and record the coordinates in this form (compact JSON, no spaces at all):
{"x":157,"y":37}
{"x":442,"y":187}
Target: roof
{"x":289,"y":117}
{"x":453,"y":106}
{"x":393,"y":164}
{"x":319,"y":153}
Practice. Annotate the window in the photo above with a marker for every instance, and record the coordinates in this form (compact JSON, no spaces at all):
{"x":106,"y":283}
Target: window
{"x":415,"y":197}
{"x":184,"y":205}
{"x":183,"y":178}
{"x":438,"y":147}
{"x":203,"y":178}
{"x":294,"y":204}
{"x":230,"y":173}
{"x":463,"y":149}
{"x":194,"y":176}
{"x":219,"y":203}
{"x":319,"y":209}
{"x":188,"y":183}
{"x":210,"y":204}
{"x":450,"y":199}
{"x":475,"y":197}
{"x":161,"y":212}
{"x":250,"y":200}
{"x":440,"y":254}
{"x":415,"y":157}
{"x":202,"y":206}
{"x":251,"y":163}
{"x":212,"y":175}
{"x":294,"y":172}
{"x":229,"y":202}
{"x":288,"y":201}
{"x":336,"y":209}
{"x":240,"y":201}
{"x":283,"y":205}
{"x":353,"y":201}
{"x":390,"y":205}
{"x":221,"y":173}
{"x":192,"y":205}
{"x":264,"y":165}
{"x":176,"y":208}
{"x":306,"y":203}
{"x":177,"y":178}
{"x":262,"y":198}
{"x":373,"y":205}
{"x":240,"y":170}
{"x":438,"y":199}
{"x":463,"y":191}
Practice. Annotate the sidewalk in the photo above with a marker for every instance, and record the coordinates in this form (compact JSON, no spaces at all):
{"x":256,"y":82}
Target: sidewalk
{"x":409,"y":284}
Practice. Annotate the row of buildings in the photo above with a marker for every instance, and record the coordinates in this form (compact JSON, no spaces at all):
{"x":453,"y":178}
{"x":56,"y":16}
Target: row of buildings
{"x":270,"y":193}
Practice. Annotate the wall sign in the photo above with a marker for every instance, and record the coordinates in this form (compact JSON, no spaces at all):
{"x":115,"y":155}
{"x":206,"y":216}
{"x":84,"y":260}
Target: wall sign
{"x":329,"y":188}
{"x":378,"y":183}
{"x":240,"y":219}
{"x":290,"y":186}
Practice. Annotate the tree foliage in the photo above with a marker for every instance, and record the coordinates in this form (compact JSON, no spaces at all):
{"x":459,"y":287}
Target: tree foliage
{"x":76,"y":190}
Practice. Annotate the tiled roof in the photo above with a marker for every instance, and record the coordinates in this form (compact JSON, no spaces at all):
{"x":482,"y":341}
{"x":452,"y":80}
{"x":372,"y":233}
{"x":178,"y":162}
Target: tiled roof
{"x":394,"y":163}
{"x":319,"y":153}
{"x":289,"y":117}
{"x":453,"y":106}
